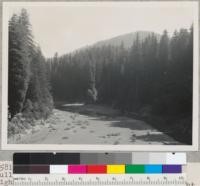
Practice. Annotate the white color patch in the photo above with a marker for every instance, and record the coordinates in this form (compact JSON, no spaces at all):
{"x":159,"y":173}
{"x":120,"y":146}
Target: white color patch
{"x":58,"y":169}
{"x":176,"y":158}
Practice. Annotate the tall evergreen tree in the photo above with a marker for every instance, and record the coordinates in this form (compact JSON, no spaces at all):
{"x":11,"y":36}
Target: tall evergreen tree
{"x":28,"y":87}
{"x":135,"y":68}
{"x":20,"y":42}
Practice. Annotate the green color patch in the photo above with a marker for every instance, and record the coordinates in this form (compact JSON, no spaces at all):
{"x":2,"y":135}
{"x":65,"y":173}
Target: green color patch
{"x":137,"y":169}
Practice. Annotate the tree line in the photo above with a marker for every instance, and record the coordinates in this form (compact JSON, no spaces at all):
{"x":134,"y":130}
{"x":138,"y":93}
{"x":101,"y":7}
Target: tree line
{"x":28,"y":84}
{"x":154,"y":71}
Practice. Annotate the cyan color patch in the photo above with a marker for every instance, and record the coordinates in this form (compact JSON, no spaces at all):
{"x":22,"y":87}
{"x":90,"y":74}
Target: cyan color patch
{"x":153,"y":169}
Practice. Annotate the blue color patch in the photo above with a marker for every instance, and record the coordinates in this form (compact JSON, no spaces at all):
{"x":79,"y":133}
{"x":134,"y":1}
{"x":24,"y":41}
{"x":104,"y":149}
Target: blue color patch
{"x":153,"y":169}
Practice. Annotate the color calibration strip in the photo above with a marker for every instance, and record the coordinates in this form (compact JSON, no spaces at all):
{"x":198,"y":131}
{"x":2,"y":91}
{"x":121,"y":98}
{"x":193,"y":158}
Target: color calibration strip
{"x":97,"y":169}
{"x":141,"y":158}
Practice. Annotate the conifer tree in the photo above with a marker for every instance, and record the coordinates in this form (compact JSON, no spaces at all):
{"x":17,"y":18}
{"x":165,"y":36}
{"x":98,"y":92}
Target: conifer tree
{"x":20,"y":42}
{"x":28,"y":87}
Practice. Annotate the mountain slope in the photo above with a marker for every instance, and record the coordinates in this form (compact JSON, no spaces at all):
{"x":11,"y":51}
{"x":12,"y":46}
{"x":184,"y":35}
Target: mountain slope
{"x":127,"y":39}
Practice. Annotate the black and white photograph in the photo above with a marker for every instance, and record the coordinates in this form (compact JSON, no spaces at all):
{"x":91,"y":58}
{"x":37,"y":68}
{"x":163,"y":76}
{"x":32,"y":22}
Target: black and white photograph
{"x":100,"y":73}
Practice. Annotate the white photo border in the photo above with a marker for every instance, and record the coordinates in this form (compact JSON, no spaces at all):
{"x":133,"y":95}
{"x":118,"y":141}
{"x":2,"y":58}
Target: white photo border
{"x":104,"y":148}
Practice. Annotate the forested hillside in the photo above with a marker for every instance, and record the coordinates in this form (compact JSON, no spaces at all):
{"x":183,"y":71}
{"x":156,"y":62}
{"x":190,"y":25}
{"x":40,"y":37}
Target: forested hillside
{"x":29,"y":95}
{"x":127,"y":39}
{"x":152,"y":78}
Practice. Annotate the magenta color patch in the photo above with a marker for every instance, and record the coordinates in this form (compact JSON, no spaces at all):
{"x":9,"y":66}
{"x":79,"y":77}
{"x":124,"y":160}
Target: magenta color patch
{"x":77,"y":169}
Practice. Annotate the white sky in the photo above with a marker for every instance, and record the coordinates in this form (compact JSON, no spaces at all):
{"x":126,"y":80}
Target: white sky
{"x":65,"y":27}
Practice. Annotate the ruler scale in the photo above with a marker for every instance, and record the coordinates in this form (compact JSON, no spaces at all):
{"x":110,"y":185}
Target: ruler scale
{"x":100,"y":180}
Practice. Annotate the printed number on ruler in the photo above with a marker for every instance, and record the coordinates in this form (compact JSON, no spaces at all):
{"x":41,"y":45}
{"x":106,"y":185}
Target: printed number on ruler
{"x":6,"y":173}
{"x":102,"y":180}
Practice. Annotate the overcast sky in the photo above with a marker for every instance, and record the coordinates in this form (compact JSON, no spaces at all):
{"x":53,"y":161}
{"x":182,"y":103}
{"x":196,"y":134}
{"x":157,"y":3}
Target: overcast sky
{"x":63,"y":28}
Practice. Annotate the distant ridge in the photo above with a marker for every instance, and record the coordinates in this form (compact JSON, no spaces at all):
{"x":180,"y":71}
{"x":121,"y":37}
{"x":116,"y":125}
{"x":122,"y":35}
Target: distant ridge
{"x":127,"y":39}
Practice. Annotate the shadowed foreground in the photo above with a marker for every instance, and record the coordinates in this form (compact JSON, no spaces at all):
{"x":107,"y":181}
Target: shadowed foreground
{"x":67,"y":127}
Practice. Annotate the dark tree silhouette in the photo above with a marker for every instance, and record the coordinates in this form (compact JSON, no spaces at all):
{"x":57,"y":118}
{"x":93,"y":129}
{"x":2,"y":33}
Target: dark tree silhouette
{"x":28,"y":87}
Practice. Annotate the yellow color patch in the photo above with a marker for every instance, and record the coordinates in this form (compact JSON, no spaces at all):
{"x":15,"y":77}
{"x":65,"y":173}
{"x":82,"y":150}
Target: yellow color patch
{"x":115,"y":169}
